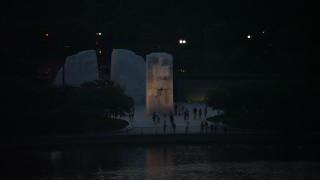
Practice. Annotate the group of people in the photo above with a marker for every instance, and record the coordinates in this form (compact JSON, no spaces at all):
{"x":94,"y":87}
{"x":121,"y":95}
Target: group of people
{"x":214,"y":127}
{"x":180,"y":109}
{"x":131,"y":115}
{"x":198,"y":113}
{"x":156,"y":117}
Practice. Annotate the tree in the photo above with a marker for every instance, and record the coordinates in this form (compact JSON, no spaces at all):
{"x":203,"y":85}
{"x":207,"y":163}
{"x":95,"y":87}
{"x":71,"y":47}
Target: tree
{"x":94,"y":99}
{"x":34,"y":109}
{"x":217,"y":99}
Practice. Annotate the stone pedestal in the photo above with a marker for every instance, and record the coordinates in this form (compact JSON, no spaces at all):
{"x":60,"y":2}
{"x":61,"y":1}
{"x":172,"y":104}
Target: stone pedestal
{"x":159,"y":83}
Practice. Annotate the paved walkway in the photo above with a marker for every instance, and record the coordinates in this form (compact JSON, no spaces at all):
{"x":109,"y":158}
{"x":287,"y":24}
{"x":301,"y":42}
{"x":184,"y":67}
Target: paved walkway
{"x":143,"y":123}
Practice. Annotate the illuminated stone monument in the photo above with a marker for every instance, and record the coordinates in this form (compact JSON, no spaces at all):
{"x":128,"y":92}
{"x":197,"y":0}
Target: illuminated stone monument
{"x":79,"y":68}
{"x":159,"y":83}
{"x":129,"y":70}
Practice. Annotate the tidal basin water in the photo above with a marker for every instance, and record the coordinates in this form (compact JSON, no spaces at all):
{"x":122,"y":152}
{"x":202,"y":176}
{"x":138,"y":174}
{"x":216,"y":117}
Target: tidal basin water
{"x":163,"y":161}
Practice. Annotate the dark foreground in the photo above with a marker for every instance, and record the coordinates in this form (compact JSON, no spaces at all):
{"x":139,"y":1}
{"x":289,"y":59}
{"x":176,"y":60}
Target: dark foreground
{"x":109,"y":139}
{"x":157,"y":158}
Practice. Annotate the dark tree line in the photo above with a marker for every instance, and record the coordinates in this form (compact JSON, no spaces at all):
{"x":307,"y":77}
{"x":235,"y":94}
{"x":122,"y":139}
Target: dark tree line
{"x":282,"y":106}
{"x":31,"y":108}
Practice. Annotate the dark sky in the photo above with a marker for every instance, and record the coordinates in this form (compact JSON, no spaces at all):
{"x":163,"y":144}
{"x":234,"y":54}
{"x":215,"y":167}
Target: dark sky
{"x":137,"y":23}
{"x":127,"y":16}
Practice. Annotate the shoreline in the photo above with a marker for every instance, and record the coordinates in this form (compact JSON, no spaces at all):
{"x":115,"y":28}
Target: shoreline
{"x":98,"y":139}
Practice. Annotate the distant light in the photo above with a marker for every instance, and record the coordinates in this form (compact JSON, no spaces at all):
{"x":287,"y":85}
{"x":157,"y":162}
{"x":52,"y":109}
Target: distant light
{"x":100,"y":52}
{"x":182,"y":41}
{"x":99,"y":33}
{"x":97,"y":43}
{"x":263,"y":32}
{"x":47,"y":34}
{"x":249,"y":36}
{"x":64,"y":46}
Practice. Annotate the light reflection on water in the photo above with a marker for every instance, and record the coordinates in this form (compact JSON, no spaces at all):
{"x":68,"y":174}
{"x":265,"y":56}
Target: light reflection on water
{"x":219,"y":161}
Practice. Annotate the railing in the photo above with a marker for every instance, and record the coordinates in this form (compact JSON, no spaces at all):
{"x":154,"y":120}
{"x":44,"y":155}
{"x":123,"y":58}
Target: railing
{"x":160,"y":130}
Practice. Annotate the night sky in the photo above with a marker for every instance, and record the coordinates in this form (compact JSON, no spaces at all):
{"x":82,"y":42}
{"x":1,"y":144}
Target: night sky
{"x":287,"y":30}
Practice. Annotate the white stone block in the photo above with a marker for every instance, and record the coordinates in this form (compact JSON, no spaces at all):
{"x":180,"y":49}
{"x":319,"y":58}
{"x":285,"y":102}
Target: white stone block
{"x":128,"y":70}
{"x":79,"y":68}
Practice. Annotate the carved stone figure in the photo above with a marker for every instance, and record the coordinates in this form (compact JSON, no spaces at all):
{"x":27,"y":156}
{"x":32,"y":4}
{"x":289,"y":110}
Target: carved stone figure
{"x":159,"y":96}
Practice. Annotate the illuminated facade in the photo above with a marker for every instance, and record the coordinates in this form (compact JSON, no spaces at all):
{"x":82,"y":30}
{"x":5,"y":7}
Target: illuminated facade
{"x":159,"y":83}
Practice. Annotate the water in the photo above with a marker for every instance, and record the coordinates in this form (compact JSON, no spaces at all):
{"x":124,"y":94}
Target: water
{"x":196,"y":161}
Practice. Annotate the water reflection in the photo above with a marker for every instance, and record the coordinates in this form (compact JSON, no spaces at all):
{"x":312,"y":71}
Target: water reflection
{"x":219,"y":161}
{"x":55,"y":161}
{"x":157,"y":159}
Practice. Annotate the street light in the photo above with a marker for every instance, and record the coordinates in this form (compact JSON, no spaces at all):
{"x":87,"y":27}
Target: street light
{"x":182,"y":41}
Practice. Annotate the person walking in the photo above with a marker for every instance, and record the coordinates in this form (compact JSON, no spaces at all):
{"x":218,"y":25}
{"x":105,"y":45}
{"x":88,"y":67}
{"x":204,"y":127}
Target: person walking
{"x":174,"y":127}
{"x":202,"y":126}
{"x":206,"y":126}
{"x":195,"y":110}
{"x":175,"y":108}
{"x":171,"y":117}
{"x":158,"y":117}
{"x":185,"y":114}
{"x":132,"y":114}
{"x":205,"y":111}
{"x":179,"y":109}
{"x":154,"y":117}
{"x":200,"y":113}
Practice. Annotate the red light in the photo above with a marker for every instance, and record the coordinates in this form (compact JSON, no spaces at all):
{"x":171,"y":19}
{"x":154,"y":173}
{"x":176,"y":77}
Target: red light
{"x":97,"y":43}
